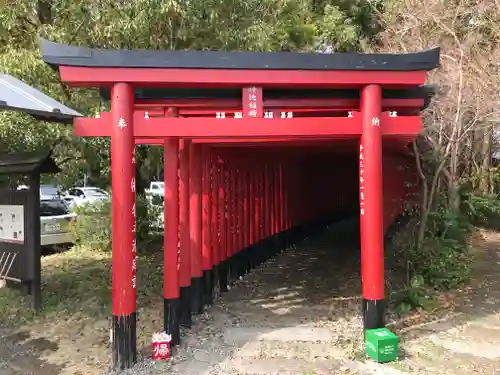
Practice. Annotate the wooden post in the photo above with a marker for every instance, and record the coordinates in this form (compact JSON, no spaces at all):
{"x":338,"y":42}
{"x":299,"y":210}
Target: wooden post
{"x":123,"y":227}
{"x":371,"y":209}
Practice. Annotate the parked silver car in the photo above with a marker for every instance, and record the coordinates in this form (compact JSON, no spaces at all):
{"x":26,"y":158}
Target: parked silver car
{"x":83,"y":195}
{"x":55,"y":219}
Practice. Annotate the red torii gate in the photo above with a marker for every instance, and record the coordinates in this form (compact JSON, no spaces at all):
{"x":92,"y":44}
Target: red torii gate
{"x":259,"y":113}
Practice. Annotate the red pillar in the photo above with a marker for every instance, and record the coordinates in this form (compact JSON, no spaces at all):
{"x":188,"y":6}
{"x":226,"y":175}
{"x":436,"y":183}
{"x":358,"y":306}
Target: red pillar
{"x":371,"y":209}
{"x":283,"y":227}
{"x":272,"y":206}
{"x":256,"y":216}
{"x":240,"y":206}
{"x":123,"y":227}
{"x":222,"y":228}
{"x":215,"y":238}
{"x":262,"y":207}
{"x":229,"y":192}
{"x":251,"y":205}
{"x":206,"y":228}
{"x":246,"y":224}
{"x":185,"y":256}
{"x":267,"y":201}
{"x":277,"y":216}
{"x":252,"y":215}
{"x":277,"y":227}
{"x":234,"y":219}
{"x":195,"y":219}
{"x":262,"y":214}
{"x":271,"y":249}
{"x":171,"y":240}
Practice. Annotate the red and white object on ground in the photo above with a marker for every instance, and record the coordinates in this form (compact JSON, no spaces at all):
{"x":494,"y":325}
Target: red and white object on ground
{"x":161,"y":346}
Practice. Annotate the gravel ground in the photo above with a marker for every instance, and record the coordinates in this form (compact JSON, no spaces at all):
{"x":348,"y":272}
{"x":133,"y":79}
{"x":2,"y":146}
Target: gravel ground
{"x":292,"y":307}
{"x":299,"y":314}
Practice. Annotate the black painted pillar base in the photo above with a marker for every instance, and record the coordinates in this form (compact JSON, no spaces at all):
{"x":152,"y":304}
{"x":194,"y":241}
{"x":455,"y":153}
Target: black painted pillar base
{"x":237,"y":266}
{"x":282,"y":242}
{"x":286,"y":241}
{"x":373,"y":314}
{"x":171,"y":309}
{"x":185,"y":307}
{"x":215,"y":283}
{"x":235,"y":272}
{"x":197,"y":295}
{"x":250,"y":257}
{"x":223,"y":276}
{"x":274,"y":246}
{"x":208,"y":288}
{"x":124,"y":341}
{"x":245,"y":254}
{"x":228,"y":268}
{"x":264,"y":251}
{"x":257,"y":254}
{"x":230,"y":271}
{"x":241,"y":263}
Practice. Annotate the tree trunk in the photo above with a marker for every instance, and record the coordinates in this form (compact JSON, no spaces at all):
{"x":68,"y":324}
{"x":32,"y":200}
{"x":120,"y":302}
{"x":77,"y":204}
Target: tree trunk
{"x":44,"y":12}
{"x":484,"y":172}
{"x":424,"y":196}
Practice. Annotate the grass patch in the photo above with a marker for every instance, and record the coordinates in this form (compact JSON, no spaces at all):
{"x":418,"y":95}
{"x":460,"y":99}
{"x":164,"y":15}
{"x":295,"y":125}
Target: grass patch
{"x":76,"y":305}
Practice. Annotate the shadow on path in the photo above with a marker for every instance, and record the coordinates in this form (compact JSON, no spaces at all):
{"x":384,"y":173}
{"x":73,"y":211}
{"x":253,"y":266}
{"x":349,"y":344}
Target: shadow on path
{"x":20,"y":355}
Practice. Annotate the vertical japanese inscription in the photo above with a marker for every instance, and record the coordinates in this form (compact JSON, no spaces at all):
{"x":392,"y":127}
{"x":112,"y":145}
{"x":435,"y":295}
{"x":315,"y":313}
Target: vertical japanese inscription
{"x":361,"y":180}
{"x":134,"y":243}
{"x":252,"y":102}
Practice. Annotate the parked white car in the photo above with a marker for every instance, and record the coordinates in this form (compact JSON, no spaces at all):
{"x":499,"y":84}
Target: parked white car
{"x":156,"y":188}
{"x":81,"y":195}
{"x":55,"y":219}
{"x":156,"y":192}
{"x":47,"y":191}
{"x":50,"y":191}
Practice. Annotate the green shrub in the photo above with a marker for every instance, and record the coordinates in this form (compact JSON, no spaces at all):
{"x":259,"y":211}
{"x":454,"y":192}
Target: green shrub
{"x":92,"y":227}
{"x":442,"y":257}
{"x":443,"y":263}
{"x":415,"y":295}
{"x":440,"y":262}
{"x":482,"y":210}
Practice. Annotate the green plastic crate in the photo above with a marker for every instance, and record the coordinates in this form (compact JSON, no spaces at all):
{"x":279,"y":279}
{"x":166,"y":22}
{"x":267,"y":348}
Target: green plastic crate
{"x":381,"y":345}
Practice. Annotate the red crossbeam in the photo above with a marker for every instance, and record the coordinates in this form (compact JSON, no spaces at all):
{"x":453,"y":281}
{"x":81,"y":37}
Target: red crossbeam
{"x":221,"y":78}
{"x":241,"y":140}
{"x":282,"y":104}
{"x":160,"y":127}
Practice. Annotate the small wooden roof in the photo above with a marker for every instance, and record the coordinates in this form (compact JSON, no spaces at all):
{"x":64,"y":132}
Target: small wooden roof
{"x":16,"y":95}
{"x":39,"y":161}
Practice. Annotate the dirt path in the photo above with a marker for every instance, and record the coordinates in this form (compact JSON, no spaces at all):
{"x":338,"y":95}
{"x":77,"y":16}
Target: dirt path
{"x":299,"y":314}
{"x":467,"y":339}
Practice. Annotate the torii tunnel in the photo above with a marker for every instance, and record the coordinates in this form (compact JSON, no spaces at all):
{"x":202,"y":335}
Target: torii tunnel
{"x":259,"y":148}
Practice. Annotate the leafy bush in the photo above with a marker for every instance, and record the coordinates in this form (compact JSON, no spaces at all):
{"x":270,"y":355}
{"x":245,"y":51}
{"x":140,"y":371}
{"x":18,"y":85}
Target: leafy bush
{"x":482,"y":210}
{"x":92,"y":227}
{"x":415,"y":295}
{"x":443,"y":263}
{"x":440,"y":262}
